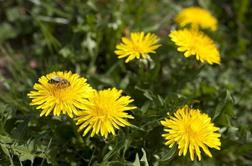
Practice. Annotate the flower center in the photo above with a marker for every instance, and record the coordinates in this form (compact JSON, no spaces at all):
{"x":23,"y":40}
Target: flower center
{"x":61,"y":94}
{"x":104,"y":107}
{"x":192,"y":129}
{"x":136,"y":47}
{"x":101,"y":111}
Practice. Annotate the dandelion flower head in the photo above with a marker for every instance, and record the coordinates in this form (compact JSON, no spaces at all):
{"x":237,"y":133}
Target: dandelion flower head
{"x":106,"y":111}
{"x":138,"y":45}
{"x":192,"y":131}
{"x":60,"y":93}
{"x":196,"y":17}
{"x":193,"y":42}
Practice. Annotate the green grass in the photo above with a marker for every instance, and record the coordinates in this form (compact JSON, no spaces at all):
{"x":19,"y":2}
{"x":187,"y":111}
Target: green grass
{"x":38,"y":37}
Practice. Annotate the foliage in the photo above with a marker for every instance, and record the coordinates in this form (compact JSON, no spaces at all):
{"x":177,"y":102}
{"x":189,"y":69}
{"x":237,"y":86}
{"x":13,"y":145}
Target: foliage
{"x":38,"y":37}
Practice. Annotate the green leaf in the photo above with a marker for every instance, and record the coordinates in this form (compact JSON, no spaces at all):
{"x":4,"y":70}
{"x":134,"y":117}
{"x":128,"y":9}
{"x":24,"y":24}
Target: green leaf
{"x":5,"y":139}
{"x":6,"y":151}
{"x":143,"y":161}
{"x":225,"y":111}
{"x":7,"y":32}
{"x":137,"y":161}
{"x":168,"y":155}
{"x":144,"y":158}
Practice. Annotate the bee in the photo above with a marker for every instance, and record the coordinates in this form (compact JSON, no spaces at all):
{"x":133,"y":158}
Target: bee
{"x":59,"y":82}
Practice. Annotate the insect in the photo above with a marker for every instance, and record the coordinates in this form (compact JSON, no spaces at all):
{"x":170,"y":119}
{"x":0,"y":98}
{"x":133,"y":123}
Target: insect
{"x":59,"y":82}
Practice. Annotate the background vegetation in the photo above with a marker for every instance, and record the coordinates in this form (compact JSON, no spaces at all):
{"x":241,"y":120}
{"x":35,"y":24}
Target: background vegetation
{"x":41,"y":36}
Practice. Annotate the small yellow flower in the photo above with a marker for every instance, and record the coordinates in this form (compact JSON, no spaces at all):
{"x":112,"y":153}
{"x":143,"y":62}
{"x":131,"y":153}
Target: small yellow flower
{"x":105,"y":112}
{"x":196,"y":17}
{"x":194,"y":42}
{"x":60,"y":93}
{"x":191,"y":130}
{"x":137,"y":46}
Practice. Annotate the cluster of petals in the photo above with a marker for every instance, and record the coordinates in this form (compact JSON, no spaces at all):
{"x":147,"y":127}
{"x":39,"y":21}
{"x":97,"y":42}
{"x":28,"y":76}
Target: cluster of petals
{"x":192,"y":131}
{"x":66,"y":93}
{"x":196,"y":43}
{"x":192,"y":41}
{"x":137,"y":46}
{"x":102,"y":112}
{"x":196,"y":17}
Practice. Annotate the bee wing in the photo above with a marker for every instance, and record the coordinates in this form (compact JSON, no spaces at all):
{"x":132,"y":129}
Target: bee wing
{"x":57,"y":79}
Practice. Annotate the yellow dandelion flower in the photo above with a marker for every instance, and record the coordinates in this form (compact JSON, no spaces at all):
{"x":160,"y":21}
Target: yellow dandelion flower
{"x":137,"y":46}
{"x":194,"y":42}
{"x":196,"y":17}
{"x":191,"y":130}
{"x":105,"y":112}
{"x":60,"y":93}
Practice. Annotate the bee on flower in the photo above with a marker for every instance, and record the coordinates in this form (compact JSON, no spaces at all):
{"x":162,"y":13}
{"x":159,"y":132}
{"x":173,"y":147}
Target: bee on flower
{"x":59,"y":82}
{"x":192,"y":131}
{"x":60,"y":93}
{"x":137,"y":46}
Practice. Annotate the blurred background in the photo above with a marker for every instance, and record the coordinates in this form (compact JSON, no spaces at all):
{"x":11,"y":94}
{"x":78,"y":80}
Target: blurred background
{"x":41,"y":36}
